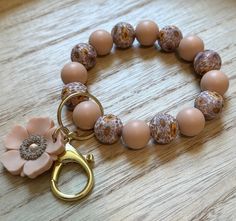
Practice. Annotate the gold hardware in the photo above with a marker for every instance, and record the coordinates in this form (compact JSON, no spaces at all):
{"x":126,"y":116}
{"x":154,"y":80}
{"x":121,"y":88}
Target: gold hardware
{"x":71,"y":155}
{"x":59,"y":110}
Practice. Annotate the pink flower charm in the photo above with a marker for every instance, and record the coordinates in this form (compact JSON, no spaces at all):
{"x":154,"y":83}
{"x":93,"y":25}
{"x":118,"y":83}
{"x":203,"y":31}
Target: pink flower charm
{"x":31,"y":150}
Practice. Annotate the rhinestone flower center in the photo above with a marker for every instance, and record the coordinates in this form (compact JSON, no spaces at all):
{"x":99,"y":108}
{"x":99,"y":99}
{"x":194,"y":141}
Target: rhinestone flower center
{"x":33,"y":147}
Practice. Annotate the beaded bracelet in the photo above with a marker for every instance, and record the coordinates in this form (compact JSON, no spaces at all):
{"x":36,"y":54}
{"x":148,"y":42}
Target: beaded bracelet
{"x":163,"y":127}
{"x":33,"y":149}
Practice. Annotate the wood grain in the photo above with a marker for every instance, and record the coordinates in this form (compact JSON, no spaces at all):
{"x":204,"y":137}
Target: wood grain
{"x":189,"y":179}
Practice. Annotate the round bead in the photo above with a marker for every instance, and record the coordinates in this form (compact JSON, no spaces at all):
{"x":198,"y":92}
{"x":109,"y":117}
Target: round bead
{"x":123,"y":35}
{"x":191,"y":121}
{"x":210,"y":103}
{"x":164,"y":128}
{"x":189,"y":47}
{"x":102,"y":41}
{"x":86,"y":114}
{"x":136,"y":134}
{"x":215,"y":80}
{"x":147,"y":32}
{"x":169,"y":38}
{"x":71,"y":88}
{"x":74,"y":72}
{"x":206,"y":61}
{"x":84,"y":54}
{"x":108,"y":129}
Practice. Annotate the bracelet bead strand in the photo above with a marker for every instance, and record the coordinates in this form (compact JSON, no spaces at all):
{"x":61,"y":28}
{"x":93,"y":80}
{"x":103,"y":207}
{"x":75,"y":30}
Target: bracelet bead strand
{"x":163,"y":128}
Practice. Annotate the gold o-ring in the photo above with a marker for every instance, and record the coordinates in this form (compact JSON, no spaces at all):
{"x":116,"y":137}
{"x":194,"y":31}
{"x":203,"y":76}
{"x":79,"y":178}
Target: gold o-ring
{"x":72,"y":135}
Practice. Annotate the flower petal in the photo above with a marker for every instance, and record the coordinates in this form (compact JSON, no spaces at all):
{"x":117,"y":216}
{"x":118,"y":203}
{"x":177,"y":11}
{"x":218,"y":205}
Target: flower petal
{"x":54,"y":148}
{"x":39,"y":125}
{"x":15,"y":138}
{"x":33,"y":168}
{"x":12,"y":161}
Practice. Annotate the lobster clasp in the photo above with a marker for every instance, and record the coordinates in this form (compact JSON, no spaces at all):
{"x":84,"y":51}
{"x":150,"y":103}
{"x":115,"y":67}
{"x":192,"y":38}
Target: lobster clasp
{"x":71,"y":155}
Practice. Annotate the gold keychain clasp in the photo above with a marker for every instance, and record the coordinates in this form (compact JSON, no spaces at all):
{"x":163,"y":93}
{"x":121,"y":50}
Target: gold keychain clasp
{"x":72,"y":155}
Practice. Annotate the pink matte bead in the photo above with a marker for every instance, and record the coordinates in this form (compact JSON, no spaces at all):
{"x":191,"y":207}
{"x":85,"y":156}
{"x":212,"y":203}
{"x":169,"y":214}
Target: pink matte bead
{"x":102,"y":41}
{"x":136,"y":134}
{"x":74,"y":72}
{"x":191,"y":121}
{"x":147,"y":32}
{"x":215,"y":80}
{"x":86,"y":114}
{"x":189,"y":47}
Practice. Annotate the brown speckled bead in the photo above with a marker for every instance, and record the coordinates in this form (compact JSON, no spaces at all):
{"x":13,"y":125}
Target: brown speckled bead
{"x":84,"y":54}
{"x":164,"y":128}
{"x":123,"y":35}
{"x":206,"y":61}
{"x":169,"y":38}
{"x":210,"y":104}
{"x":72,"y":88}
{"x":108,"y":129}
